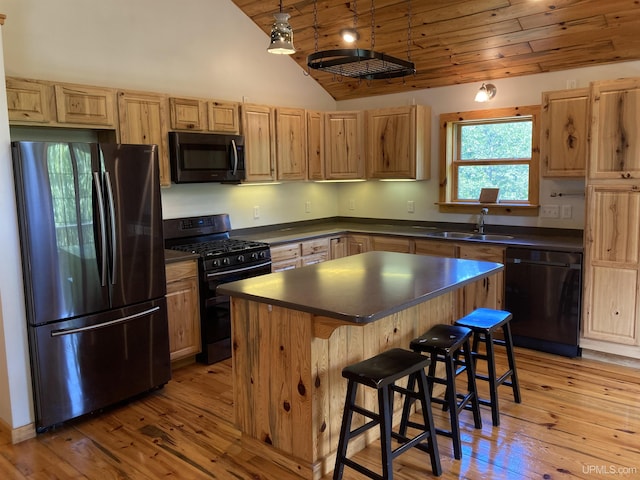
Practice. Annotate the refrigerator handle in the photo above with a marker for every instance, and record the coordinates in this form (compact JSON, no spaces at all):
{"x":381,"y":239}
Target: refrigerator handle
{"x":234,"y":149}
{"x":112,"y":219}
{"x":72,"y":331}
{"x":103,"y":232}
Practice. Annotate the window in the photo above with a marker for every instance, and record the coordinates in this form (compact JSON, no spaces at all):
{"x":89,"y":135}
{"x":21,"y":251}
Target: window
{"x":490,"y":149}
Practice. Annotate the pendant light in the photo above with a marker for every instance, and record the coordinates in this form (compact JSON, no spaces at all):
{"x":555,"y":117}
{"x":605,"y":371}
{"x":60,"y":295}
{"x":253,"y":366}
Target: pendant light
{"x":358,"y":62}
{"x":487,"y":92}
{"x":281,"y":35}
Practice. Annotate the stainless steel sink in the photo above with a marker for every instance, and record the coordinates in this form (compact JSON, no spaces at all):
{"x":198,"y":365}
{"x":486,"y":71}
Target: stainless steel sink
{"x":489,"y":237}
{"x":450,"y":235}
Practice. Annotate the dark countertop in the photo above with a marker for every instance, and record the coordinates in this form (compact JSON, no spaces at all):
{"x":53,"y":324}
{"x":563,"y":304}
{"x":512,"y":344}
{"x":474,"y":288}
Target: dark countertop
{"x":361,"y":288}
{"x":527,"y":237}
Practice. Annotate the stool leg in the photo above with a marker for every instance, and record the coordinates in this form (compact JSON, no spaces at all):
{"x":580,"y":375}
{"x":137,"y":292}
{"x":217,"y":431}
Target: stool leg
{"x":493,"y":385}
{"x":427,"y":415}
{"x":384,"y":402}
{"x":406,"y":409}
{"x":471,"y":385}
{"x":345,"y":429}
{"x":452,"y":401}
{"x":508,"y":342}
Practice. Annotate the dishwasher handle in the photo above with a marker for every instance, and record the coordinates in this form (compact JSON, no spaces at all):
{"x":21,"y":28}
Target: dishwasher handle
{"x":522,"y":261}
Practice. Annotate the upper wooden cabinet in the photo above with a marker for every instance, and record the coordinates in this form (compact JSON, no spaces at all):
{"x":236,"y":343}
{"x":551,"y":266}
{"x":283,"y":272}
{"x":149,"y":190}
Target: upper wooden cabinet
{"x":615,"y":122}
{"x":203,"y":115}
{"x":59,"y":104}
{"x":399,"y":143}
{"x":258,"y":128}
{"x":315,"y":145}
{"x":291,"y":143}
{"x":344,"y":145}
{"x":564,"y":132}
{"x":143,"y":120}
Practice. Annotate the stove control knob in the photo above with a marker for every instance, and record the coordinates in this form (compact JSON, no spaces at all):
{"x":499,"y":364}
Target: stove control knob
{"x":240,"y":258}
{"x":225,"y":261}
{"x":254,"y":256}
{"x":216,"y":263}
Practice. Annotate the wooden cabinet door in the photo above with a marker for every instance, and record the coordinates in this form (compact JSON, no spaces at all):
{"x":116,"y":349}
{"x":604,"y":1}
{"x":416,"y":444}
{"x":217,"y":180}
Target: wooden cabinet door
{"x":90,"y":106}
{"x":223,"y":117}
{"x":338,"y":247}
{"x":612,"y":264}
{"x":344,"y":145}
{"x":488,"y":292}
{"x":143,"y":120}
{"x":258,"y":128}
{"x":183,"y":309}
{"x":315,"y":145}
{"x":357,"y":243}
{"x":615,"y":123}
{"x":29,"y":101}
{"x":398,"y":142}
{"x":291,"y":144}
{"x":285,"y":256}
{"x":381,"y":243}
{"x":188,"y":114}
{"x":564,"y":122}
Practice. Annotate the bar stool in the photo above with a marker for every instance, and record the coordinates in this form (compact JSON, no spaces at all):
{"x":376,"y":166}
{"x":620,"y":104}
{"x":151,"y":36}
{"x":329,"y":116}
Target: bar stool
{"x":443,"y":343}
{"x":381,"y":372}
{"x":484,"y":322}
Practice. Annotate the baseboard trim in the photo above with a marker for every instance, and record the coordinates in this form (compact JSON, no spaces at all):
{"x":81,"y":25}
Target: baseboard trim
{"x":19,"y":434}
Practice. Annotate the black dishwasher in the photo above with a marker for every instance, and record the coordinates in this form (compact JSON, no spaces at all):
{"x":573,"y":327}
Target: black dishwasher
{"x":543,"y":291}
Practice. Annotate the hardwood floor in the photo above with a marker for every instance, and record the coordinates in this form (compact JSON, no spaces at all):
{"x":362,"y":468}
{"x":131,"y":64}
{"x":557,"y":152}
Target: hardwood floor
{"x":578,"y":418}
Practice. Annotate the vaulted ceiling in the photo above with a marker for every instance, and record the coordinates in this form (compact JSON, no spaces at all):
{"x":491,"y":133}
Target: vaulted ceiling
{"x":459,"y":41}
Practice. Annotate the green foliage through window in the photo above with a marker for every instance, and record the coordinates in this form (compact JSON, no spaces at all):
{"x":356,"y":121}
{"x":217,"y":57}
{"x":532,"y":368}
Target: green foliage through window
{"x":506,"y":140}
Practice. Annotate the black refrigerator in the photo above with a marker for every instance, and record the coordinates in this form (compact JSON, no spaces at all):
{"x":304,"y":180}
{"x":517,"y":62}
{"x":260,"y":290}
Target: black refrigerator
{"x":90,"y":222}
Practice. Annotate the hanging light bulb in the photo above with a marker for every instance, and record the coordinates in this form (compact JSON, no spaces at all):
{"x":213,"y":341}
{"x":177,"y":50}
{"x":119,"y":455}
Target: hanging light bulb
{"x":487,"y":92}
{"x":281,"y":35}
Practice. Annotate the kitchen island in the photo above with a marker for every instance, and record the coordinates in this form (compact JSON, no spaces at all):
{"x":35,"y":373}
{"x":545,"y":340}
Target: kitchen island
{"x":294,"y":331}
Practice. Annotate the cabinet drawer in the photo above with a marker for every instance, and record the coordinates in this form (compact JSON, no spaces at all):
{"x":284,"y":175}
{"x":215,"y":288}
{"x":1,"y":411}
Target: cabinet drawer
{"x":180,"y":270}
{"x":319,"y":245}
{"x":285,"y":252}
{"x":315,"y":258}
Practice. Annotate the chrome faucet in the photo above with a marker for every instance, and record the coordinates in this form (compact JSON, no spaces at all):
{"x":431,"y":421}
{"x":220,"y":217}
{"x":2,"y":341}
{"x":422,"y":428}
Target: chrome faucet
{"x":483,"y":213}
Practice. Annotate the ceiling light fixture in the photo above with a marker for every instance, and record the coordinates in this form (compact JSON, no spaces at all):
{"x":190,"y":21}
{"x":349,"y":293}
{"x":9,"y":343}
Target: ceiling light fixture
{"x":487,"y":92}
{"x":360,"y":63}
{"x":349,"y":35}
{"x":281,"y":35}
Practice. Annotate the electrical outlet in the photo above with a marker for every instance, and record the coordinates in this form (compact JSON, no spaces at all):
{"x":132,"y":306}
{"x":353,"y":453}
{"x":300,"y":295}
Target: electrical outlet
{"x":256,"y":212}
{"x":411,"y":206}
{"x":550,"y":211}
{"x":566,"y":211}
{"x":307,"y":206}
{"x":352,"y":204}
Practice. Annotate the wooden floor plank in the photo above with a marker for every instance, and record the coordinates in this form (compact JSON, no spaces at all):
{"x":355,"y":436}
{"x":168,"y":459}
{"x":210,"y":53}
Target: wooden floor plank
{"x":579,"y":419}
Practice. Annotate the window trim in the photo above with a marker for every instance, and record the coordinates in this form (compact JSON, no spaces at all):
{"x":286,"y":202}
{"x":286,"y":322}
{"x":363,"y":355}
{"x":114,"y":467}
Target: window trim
{"x":447,"y":147}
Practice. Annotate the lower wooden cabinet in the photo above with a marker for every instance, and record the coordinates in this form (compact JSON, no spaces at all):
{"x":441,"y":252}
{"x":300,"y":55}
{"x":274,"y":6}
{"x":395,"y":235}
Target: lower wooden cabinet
{"x":183,"y":309}
{"x":489,"y":292}
{"x":383,"y":243}
{"x":298,"y":254}
{"x":357,"y":243}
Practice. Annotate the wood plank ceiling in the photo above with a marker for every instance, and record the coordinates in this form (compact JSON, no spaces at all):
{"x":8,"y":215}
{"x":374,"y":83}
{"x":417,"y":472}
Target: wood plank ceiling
{"x":459,"y":41}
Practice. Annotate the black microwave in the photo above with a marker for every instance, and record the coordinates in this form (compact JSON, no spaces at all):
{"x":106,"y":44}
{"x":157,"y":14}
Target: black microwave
{"x":206,"y":157}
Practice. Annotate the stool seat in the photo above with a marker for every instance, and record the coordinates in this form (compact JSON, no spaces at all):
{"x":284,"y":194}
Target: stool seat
{"x":484,"y":322}
{"x":381,"y":373}
{"x":443,"y":343}
{"x":385,"y":368}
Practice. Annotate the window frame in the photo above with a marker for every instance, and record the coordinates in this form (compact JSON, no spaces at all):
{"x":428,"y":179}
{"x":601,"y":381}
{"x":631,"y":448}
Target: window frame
{"x":449,"y":146}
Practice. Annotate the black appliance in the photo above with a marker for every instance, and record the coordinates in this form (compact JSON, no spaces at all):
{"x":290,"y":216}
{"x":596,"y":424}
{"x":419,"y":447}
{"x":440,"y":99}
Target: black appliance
{"x":543,"y":290}
{"x":206,"y":157}
{"x":90,"y":224}
{"x":221,"y":260}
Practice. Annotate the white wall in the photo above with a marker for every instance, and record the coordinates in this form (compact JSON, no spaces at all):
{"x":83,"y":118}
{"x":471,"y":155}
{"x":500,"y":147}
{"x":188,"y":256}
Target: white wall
{"x":389,"y":200}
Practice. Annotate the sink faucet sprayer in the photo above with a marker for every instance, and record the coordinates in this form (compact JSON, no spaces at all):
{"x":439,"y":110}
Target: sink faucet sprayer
{"x":483,"y":213}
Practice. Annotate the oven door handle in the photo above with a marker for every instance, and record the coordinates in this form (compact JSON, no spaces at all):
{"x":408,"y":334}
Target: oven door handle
{"x":237,"y":270}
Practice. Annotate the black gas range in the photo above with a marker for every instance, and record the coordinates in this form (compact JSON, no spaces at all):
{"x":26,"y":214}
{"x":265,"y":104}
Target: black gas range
{"x":221,"y":260}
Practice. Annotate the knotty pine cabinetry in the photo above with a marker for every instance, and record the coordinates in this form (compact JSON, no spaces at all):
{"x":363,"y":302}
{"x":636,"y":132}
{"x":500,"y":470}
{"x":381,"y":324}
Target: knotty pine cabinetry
{"x":564,"y":122}
{"x":258,"y":128}
{"x":436,"y":247}
{"x":298,"y":254}
{"x":399,"y":142}
{"x":358,"y":243}
{"x":38,"y":102}
{"x":384,"y":243}
{"x":143,"y":119}
{"x":183,"y":309}
{"x":315,"y":145}
{"x":291,"y":143}
{"x":204,"y":115}
{"x":344,"y":145}
{"x":489,"y":292}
